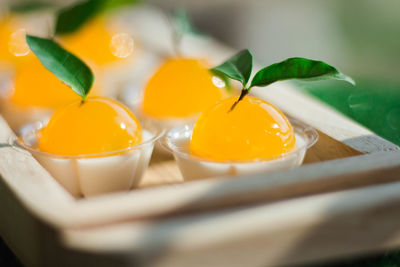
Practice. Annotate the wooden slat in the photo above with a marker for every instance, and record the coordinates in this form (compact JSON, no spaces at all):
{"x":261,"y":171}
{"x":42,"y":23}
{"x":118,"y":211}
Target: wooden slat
{"x":289,"y":232}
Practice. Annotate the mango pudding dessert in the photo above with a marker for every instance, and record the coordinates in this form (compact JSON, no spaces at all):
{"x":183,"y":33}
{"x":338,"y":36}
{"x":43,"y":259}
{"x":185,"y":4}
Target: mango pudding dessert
{"x":99,"y":125}
{"x":33,"y":94}
{"x":93,"y":145}
{"x":179,"y":91}
{"x":237,"y":136}
{"x":246,"y":134}
{"x":180,"y":87}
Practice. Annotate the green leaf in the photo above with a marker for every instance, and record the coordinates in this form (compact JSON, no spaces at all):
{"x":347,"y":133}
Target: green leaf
{"x":67,"y":67}
{"x":72,"y":18}
{"x":237,"y":67}
{"x":112,"y":4}
{"x":298,"y":68}
{"x":29,"y":6}
{"x":223,"y":77}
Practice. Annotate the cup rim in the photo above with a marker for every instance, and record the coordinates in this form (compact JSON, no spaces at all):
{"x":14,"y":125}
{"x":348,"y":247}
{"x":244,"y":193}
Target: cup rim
{"x":17,"y":142}
{"x":310,"y":132}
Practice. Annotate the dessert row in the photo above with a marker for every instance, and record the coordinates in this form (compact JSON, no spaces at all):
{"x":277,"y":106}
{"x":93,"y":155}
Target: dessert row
{"x":55,"y":96}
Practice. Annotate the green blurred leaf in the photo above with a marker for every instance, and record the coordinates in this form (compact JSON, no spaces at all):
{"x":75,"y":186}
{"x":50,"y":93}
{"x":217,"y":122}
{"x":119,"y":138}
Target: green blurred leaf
{"x":298,"y":68}
{"x":112,"y":4}
{"x":29,"y":6}
{"x":237,"y":67}
{"x":73,"y":17}
{"x":67,"y":67}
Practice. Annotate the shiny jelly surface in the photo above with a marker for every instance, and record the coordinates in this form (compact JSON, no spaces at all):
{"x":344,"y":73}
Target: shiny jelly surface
{"x":181,"y":87}
{"x":35,"y":86}
{"x":97,"y":125}
{"x":255,"y":129}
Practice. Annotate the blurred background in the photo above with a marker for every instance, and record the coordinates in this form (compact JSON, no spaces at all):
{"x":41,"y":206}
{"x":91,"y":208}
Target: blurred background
{"x":360,"y":37}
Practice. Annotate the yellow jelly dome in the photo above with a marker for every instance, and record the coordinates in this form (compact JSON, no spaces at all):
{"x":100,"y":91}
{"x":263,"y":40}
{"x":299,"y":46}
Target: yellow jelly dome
{"x":181,"y":87}
{"x":91,"y":42}
{"x":97,"y":125}
{"x":35,"y":86}
{"x":254,"y":129}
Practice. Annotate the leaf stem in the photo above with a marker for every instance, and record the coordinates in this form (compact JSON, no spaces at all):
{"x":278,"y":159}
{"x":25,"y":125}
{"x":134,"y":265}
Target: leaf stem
{"x":243,"y":93}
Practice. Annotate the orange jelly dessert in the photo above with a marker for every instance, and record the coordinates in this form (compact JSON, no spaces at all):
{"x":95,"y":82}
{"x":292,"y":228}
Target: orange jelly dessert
{"x":91,"y":42}
{"x":254,"y":129}
{"x":181,"y":87}
{"x":97,"y":125}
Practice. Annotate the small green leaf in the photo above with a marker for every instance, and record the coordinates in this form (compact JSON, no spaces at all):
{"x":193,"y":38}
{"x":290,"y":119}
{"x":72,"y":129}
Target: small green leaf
{"x":223,"y":77}
{"x":298,"y":68}
{"x":29,"y":6}
{"x":72,"y":18}
{"x":67,"y":67}
{"x":237,"y":67}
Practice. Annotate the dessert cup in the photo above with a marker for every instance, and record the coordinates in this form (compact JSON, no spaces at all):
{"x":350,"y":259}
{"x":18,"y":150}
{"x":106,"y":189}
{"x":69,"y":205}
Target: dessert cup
{"x":192,"y":167}
{"x":93,"y":174}
{"x":162,"y":123}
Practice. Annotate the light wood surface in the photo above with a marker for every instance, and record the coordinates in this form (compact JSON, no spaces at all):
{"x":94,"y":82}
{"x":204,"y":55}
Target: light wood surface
{"x":288,"y":232}
{"x":162,"y":170}
{"x":328,"y":148}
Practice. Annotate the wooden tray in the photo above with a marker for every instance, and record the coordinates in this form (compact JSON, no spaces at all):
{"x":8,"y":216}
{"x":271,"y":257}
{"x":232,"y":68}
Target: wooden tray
{"x":343,"y":200}
{"x":210,"y":220}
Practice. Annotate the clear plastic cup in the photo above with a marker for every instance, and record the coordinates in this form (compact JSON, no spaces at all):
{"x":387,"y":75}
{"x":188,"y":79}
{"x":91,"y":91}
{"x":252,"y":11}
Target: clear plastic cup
{"x":192,"y":167}
{"x":165,"y":123}
{"x":93,"y":174}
